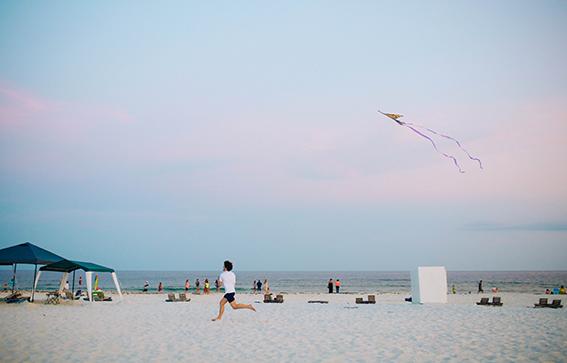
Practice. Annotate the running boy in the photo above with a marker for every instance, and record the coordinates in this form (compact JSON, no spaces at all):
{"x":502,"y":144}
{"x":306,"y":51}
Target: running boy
{"x":228,"y":280}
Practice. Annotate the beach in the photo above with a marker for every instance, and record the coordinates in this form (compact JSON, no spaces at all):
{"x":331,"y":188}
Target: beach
{"x":146,"y":328}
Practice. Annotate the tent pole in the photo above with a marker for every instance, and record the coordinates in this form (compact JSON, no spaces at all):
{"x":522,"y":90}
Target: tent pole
{"x":73,"y":288}
{"x":34,"y":276}
{"x":14,"y":278}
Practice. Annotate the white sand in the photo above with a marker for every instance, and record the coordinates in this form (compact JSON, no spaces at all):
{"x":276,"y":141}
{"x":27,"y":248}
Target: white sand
{"x":145,"y":328}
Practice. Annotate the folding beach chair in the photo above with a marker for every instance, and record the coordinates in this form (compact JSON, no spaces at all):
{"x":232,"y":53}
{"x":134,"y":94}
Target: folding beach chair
{"x":372,"y":299}
{"x":170,"y":298}
{"x":483,"y":301}
{"x":53,"y":298}
{"x":183,"y":298}
{"x":496,"y":301}
{"x":555,"y":304}
{"x":542,"y":303}
{"x":359,"y":300}
{"x":279,"y":299}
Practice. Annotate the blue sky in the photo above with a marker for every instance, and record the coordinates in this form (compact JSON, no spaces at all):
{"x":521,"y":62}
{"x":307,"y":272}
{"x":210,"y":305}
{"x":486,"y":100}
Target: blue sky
{"x":174,"y":135}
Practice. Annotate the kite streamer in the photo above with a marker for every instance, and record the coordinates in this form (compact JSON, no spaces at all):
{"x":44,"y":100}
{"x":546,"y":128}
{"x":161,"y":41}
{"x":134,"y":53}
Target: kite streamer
{"x":415,"y":127}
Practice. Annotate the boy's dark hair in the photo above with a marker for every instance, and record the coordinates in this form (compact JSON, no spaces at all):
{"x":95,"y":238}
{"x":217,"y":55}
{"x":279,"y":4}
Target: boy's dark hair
{"x":228,"y":265}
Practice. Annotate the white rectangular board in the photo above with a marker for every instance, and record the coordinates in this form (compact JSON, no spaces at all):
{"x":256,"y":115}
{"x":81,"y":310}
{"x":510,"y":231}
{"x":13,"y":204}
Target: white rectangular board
{"x":429,"y":285}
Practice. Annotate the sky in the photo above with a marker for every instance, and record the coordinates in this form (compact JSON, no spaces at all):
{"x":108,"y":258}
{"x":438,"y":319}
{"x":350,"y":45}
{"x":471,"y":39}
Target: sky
{"x":174,"y":135}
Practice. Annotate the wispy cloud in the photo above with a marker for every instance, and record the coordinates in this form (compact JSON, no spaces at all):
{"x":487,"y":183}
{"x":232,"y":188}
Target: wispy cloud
{"x":546,"y":227}
{"x":19,"y":105}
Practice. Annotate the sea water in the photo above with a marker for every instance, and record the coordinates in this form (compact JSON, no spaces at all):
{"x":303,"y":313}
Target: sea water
{"x":306,"y":281}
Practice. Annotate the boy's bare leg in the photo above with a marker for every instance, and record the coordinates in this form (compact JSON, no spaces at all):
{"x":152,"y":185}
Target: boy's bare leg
{"x":236,"y":306}
{"x":221,"y":309}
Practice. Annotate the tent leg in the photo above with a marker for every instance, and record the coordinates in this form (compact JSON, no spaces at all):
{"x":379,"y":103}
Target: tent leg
{"x":34,"y":277}
{"x":73,"y":288}
{"x":89,"y":277}
{"x":63,"y":280}
{"x":117,"y":284}
{"x":36,"y":280}
{"x":14,"y":278}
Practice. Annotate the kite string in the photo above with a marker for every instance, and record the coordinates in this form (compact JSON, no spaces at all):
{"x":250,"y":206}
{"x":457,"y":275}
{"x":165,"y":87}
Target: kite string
{"x":435,"y":146}
{"x":450,"y":138}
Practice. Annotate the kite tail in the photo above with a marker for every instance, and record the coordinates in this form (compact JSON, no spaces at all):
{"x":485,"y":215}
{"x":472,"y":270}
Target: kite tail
{"x":435,"y":146}
{"x":450,"y":138}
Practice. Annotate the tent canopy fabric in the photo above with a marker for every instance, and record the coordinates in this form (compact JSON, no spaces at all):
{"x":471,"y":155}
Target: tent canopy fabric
{"x":27,"y":253}
{"x":68,"y":266}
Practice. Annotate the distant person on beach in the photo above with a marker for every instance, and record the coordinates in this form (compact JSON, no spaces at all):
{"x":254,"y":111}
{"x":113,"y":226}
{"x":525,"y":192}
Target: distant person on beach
{"x":228,"y":279}
{"x":146,"y":286}
{"x":80,"y":281}
{"x":480,"y":290}
{"x":330,"y":286}
{"x":562,"y":290}
{"x":206,"y":289}
{"x":266,"y":286}
{"x":453,"y":290}
{"x":254,"y":286}
{"x":5,"y":286}
{"x":197,"y":286}
{"x":160,"y":287}
{"x":187,"y":285}
{"x":337,"y":285}
{"x":66,"y":286}
{"x":217,"y":285}
{"x":259,"y":286}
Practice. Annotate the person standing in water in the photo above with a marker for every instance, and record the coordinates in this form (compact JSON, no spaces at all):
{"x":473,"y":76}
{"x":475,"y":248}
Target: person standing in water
{"x":197,"y":286}
{"x":187,"y":285}
{"x":330,"y":286}
{"x":259,"y":286}
{"x":480,"y":287}
{"x":228,"y":280}
{"x":254,"y":286}
{"x":337,"y":285}
{"x":266,"y":286}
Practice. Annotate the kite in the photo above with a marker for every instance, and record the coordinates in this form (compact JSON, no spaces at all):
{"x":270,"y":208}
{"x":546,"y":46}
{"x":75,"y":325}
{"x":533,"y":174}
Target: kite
{"x":421,"y":130}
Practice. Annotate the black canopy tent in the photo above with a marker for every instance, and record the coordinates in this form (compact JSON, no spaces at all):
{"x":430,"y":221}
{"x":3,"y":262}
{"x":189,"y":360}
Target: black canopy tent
{"x":26,"y":253}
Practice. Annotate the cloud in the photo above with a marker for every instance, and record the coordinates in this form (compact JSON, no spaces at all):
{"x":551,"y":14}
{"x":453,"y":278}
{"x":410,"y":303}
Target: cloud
{"x":545,"y":227}
{"x":21,"y":106}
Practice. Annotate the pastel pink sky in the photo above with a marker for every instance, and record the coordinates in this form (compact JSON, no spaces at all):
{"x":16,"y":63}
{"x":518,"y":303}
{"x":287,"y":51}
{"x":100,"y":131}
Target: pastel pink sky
{"x":151,"y":128}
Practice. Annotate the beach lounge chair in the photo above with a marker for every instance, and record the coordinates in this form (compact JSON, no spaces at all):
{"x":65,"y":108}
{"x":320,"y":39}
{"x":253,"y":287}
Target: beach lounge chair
{"x":16,"y":298}
{"x":555,"y":304}
{"x":371,"y":300}
{"x":12,"y":296}
{"x":170,"y":298}
{"x":542,"y":303}
{"x":183,"y":298}
{"x":317,"y":302}
{"x":99,"y":296}
{"x":69,"y":296}
{"x":483,"y":301}
{"x":496,"y":301}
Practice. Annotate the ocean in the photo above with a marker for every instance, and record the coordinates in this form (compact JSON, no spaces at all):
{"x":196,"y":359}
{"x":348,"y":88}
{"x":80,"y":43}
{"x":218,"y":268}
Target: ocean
{"x":309,"y":281}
